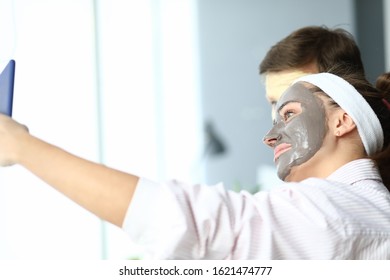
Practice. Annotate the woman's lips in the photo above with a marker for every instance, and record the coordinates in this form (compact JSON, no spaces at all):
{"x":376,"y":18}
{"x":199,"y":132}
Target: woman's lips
{"x":280,"y":149}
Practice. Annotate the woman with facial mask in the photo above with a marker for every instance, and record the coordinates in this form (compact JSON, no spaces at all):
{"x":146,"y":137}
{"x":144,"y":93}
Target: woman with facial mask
{"x":331,"y":147}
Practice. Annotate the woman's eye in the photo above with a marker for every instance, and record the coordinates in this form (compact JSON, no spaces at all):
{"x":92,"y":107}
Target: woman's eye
{"x":288,"y":114}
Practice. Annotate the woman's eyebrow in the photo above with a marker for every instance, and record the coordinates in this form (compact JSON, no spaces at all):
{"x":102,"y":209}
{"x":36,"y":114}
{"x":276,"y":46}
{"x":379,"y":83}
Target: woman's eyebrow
{"x":286,"y":103}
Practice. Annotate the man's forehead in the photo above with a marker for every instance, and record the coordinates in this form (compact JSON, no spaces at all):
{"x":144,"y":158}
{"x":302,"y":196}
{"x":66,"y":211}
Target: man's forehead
{"x":277,"y":82}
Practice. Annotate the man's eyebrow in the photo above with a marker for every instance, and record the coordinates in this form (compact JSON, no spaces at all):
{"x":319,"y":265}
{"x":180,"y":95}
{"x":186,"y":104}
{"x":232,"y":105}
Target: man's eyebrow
{"x":271,"y":100}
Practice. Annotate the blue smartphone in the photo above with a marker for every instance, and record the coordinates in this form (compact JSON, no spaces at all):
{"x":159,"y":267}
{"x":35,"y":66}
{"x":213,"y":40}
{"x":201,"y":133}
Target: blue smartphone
{"x":7,"y":78}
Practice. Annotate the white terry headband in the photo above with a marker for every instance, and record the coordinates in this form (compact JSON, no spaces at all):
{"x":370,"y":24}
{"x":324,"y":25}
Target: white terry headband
{"x":354,"y":104}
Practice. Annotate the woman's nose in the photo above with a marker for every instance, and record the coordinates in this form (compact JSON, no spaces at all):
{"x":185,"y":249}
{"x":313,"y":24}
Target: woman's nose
{"x":272,"y":136}
{"x":270,"y":140}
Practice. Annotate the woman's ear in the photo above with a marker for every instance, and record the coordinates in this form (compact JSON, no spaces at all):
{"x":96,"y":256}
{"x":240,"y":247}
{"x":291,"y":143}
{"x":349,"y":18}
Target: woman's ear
{"x":344,"y":124}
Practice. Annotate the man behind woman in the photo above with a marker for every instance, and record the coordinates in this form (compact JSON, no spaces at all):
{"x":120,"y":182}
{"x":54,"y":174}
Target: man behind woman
{"x":308,"y":50}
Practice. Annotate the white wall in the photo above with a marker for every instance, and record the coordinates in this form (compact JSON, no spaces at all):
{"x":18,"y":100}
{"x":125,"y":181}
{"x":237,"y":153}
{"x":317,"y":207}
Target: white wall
{"x":54,"y":86}
{"x":137,"y":111}
{"x":150,"y":93}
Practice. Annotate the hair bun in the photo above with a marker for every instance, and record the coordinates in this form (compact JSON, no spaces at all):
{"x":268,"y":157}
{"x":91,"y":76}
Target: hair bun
{"x":383,"y":84}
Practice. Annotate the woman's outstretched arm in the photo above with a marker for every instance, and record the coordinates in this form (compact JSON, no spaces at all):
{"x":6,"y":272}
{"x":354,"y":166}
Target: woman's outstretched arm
{"x":104,"y":191}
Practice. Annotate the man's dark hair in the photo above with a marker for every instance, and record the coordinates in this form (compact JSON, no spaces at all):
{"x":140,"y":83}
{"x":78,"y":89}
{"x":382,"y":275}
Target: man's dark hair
{"x":314,"y":44}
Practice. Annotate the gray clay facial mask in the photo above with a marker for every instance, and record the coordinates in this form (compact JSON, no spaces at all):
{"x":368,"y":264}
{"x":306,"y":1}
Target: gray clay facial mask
{"x":299,"y":129}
